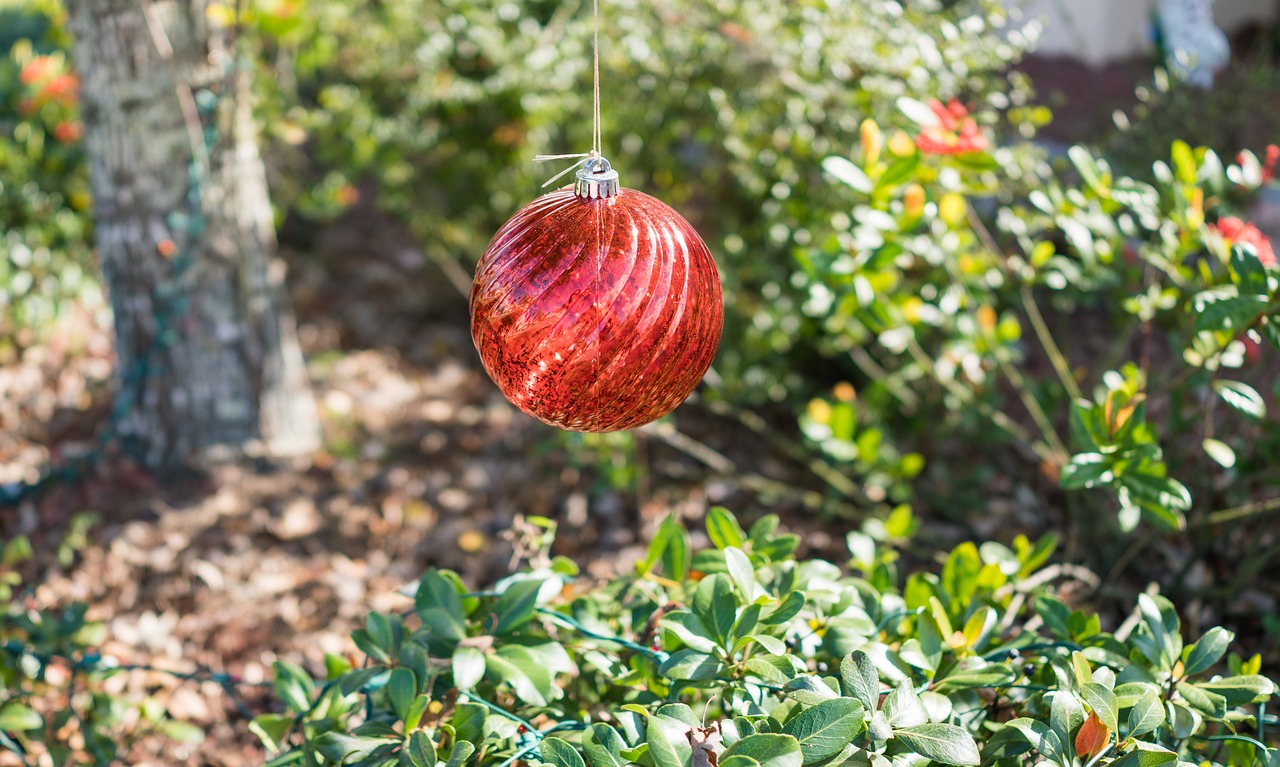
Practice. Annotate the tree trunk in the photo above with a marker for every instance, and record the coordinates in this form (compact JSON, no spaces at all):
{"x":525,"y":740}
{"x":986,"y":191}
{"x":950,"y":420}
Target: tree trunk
{"x":208,"y":353}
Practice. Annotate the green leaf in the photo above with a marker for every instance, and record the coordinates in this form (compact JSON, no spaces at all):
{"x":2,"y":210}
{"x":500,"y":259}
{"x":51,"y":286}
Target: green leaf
{"x":847,"y":173}
{"x":690,"y":630}
{"x":402,"y":688}
{"x":899,"y":171}
{"x":19,"y":550}
{"x":292,"y":684}
{"x":515,"y":607}
{"x":341,"y":748}
{"x":1145,"y":757}
{"x":1242,"y":397}
{"x":378,"y":627}
{"x":416,"y":710}
{"x":945,"y":743}
{"x":668,"y":742}
{"x":771,"y":645}
{"x":1102,"y":701}
{"x":670,"y":546}
{"x":809,"y":690}
{"x":1241,"y":690}
{"x":1222,"y":311}
{"x":1208,"y":703}
{"x":559,"y":753}
{"x":357,"y":680}
{"x":420,"y":750}
{"x":1220,"y":452}
{"x":903,"y":707}
{"x":691,"y":665}
{"x":1146,"y":715}
{"x":714,"y":603}
{"x":181,"y":732}
{"x":1086,"y":470}
{"x":468,"y":721}
{"x":16,"y":717}
{"x":462,"y":751}
{"x":742,"y":573}
{"x":1184,"y":163}
{"x":603,"y":746}
{"x":960,"y":573}
{"x":787,"y":609}
{"x":769,"y":749}
{"x":468,"y":667}
{"x":1086,"y":165}
{"x":738,"y":760}
{"x":858,"y":673}
{"x":823,"y":730}
{"x":1065,"y":714}
{"x":988,"y":676}
{"x":439,"y":605}
{"x":271,"y":729}
{"x":917,"y":112}
{"x":723,"y":528}
{"x":527,"y":673}
{"x":1209,"y":650}
{"x":1040,"y":737}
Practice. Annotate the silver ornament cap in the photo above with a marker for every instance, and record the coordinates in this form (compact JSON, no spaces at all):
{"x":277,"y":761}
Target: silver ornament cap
{"x":596,"y":179}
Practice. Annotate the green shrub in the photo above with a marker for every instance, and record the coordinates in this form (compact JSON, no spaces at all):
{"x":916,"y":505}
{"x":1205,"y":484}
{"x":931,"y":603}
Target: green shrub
{"x":45,"y":255}
{"x":949,"y":250}
{"x":741,"y":655}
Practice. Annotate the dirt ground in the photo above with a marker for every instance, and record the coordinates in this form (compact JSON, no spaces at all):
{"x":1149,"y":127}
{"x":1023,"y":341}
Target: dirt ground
{"x":426,"y":465}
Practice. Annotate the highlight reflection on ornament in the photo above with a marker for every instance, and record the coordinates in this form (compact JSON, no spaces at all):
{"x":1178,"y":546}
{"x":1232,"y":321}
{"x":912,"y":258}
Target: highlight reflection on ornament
{"x":596,"y":308}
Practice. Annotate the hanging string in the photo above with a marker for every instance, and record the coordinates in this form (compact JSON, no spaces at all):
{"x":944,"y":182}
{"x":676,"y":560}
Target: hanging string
{"x":596,"y":132}
{"x":595,"y":55}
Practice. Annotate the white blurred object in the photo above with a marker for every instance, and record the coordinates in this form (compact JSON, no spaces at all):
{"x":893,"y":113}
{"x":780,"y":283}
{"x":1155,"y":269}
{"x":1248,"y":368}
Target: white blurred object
{"x":1099,"y":32}
{"x":1195,"y":49}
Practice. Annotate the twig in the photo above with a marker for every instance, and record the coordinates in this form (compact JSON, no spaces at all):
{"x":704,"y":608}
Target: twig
{"x":1128,"y":556}
{"x":1050,"y":346}
{"x":1238,"y":512}
{"x":821,"y":469}
{"x":1059,"y":453}
{"x":998,"y":417}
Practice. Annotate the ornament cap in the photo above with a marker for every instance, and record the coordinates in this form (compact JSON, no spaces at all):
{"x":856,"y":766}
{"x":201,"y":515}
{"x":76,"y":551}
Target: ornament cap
{"x":596,"y":179}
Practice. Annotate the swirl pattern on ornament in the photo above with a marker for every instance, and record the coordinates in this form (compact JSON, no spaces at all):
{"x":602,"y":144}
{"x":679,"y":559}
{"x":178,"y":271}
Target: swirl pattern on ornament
{"x":596,"y":315}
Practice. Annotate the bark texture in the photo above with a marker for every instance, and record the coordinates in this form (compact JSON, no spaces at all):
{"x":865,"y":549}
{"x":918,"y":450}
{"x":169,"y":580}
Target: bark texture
{"x":208,"y":353}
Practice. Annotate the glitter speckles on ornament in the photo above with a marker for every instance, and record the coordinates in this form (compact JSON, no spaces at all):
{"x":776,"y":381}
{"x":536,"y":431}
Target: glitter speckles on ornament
{"x":596,"y":313}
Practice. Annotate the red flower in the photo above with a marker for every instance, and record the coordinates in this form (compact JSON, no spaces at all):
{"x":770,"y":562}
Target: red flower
{"x":1269,"y":164}
{"x":954,"y":133}
{"x":1234,"y":230}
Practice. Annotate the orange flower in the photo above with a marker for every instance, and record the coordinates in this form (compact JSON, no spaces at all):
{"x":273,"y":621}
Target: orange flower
{"x":60,"y":88}
{"x":955,"y":132}
{"x":1233,"y":230}
{"x":37,"y":69}
{"x":347,"y":195}
{"x":1269,"y":164}
{"x":68,"y":131}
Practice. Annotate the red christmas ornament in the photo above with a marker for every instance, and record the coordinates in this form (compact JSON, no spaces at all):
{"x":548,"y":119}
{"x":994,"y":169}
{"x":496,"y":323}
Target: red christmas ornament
{"x":596,"y":308}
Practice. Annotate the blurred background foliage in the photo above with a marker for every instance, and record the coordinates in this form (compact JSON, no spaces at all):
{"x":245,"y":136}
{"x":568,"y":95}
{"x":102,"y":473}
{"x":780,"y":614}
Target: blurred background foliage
{"x":722,"y":109}
{"x":878,"y":324}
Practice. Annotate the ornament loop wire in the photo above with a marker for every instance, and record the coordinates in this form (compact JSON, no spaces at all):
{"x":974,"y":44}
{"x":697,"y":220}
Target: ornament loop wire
{"x":596,"y":179}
